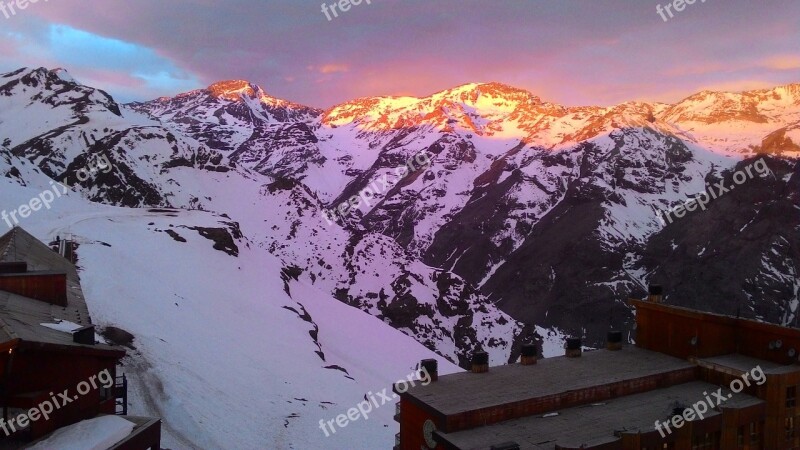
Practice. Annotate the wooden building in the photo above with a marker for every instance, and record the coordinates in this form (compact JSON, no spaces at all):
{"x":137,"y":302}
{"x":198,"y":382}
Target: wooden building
{"x":745,"y":374}
{"x":48,"y":347}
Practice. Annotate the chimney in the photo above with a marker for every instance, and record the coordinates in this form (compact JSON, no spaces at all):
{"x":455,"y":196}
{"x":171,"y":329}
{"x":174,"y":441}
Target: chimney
{"x":574,"y":347}
{"x":529,"y":352}
{"x":655,"y":293}
{"x":614,"y":340}
{"x":480,"y":362}
{"x":84,"y":335}
{"x":431,"y":367}
{"x":13,"y":267}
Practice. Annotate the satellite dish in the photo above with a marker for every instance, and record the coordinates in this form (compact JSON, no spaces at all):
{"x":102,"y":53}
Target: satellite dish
{"x":792,"y":353}
{"x":693,"y":341}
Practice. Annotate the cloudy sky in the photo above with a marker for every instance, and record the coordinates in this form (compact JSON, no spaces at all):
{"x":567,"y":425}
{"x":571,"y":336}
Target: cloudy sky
{"x":575,"y":52}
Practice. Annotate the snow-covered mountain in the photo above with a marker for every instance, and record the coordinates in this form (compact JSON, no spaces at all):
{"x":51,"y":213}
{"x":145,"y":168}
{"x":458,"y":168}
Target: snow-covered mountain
{"x":245,"y":259}
{"x":477,"y":217}
{"x":243,"y":122}
{"x":157,"y":166}
{"x":548,"y":210}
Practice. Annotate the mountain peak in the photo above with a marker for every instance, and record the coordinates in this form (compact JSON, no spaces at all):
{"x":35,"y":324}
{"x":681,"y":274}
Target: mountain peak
{"x":491,"y":89}
{"x":63,"y":75}
{"x":233,"y":89}
{"x":58,"y":88}
{"x":44,"y":74}
{"x":494,"y":86}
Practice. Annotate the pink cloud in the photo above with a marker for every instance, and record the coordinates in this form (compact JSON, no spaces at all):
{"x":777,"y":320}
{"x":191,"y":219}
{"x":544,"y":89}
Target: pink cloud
{"x":784,"y":62}
{"x":596,"y":53}
{"x":333,"y":68}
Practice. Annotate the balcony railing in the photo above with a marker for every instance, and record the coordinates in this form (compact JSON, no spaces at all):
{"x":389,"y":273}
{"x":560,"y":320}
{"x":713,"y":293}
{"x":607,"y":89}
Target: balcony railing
{"x":121,"y":395}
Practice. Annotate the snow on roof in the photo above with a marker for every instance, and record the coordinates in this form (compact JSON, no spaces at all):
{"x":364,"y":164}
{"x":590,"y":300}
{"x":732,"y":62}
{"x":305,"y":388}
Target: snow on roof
{"x":100,"y":433}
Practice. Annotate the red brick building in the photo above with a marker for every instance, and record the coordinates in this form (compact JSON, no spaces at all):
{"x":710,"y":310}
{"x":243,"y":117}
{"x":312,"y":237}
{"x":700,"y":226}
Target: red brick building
{"x":745,"y":374}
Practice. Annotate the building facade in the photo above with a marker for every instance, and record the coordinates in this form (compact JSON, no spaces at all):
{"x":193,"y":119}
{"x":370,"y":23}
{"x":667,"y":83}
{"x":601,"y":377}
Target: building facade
{"x":693,"y":380}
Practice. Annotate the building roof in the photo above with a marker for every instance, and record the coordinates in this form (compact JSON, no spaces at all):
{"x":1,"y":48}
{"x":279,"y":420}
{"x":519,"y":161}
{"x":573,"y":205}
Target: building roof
{"x":19,"y":245}
{"x":5,"y":241}
{"x":596,"y":423}
{"x":741,"y":363}
{"x":708,"y":315}
{"x":21,"y":317}
{"x":466,"y":391}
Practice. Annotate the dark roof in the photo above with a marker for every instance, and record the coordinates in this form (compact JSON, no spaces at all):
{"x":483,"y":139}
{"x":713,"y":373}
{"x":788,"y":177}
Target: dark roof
{"x":737,"y":363}
{"x":466,"y":391}
{"x":21,"y":317}
{"x":596,"y":423}
{"x":32,"y":273}
{"x":5,"y":240}
{"x":19,"y":245}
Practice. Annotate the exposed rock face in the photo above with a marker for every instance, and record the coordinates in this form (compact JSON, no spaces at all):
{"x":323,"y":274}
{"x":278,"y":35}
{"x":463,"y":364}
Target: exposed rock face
{"x":551,"y":213}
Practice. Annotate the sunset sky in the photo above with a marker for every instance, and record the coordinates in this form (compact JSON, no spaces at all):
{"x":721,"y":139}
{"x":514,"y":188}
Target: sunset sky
{"x":572,"y":52}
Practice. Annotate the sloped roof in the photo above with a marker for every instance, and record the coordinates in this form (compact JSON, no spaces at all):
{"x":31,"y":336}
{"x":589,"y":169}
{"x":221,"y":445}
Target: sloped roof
{"x":597,"y":423}
{"x":19,"y":245}
{"x":5,"y":241}
{"x":464,"y":392}
{"x":22,"y":317}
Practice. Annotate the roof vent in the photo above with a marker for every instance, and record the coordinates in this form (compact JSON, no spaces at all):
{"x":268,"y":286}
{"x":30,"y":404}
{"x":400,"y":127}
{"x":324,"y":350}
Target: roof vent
{"x":84,"y":336}
{"x":574,"y":347}
{"x":655,"y":293}
{"x":614,"y":340}
{"x":529,"y":352}
{"x":430,"y":367}
{"x":480,"y":362}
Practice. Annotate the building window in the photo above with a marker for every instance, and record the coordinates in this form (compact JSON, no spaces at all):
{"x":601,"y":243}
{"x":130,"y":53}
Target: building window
{"x":740,"y":436}
{"x":789,"y":422}
{"x":791,"y":393}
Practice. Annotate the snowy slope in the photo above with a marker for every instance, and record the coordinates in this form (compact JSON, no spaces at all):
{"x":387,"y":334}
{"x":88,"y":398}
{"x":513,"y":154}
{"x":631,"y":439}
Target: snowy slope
{"x":283,"y":350}
{"x":506,"y":167}
{"x":155,"y":165}
{"x":221,"y":357}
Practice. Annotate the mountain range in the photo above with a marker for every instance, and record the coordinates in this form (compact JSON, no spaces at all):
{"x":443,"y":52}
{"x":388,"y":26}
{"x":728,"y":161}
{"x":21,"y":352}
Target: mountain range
{"x":532,"y":221}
